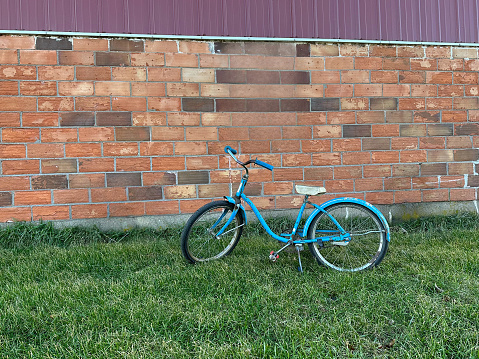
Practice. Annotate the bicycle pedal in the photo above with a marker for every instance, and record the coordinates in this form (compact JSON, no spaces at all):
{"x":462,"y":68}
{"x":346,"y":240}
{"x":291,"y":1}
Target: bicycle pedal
{"x":273,"y":256}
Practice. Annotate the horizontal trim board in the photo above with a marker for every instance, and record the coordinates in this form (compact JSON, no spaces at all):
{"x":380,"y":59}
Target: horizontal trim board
{"x":229,"y":38}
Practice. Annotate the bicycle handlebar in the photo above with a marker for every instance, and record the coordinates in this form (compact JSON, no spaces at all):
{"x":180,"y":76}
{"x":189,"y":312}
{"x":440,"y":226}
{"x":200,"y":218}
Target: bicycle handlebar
{"x":232,"y":152}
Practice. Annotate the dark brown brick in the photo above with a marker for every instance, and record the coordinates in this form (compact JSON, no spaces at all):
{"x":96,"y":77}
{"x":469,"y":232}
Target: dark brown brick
{"x":467,"y":129}
{"x":325,"y":104}
{"x":295,"y":77}
{"x":253,"y":189}
{"x":50,"y":182}
{"x":427,"y":116}
{"x":386,"y":103}
{"x":198,"y":104}
{"x":295,"y":105}
{"x":471,"y":154}
{"x":46,"y":43}
{"x":356,"y":130}
{"x":371,"y":144}
{"x":68,"y":165}
{"x":303,"y":50}
{"x":5,"y":199}
{"x":262,"y":105}
{"x":145,"y":193}
{"x":433,"y":169}
{"x":412,"y":130}
{"x":77,"y":119}
{"x":112,"y":59}
{"x":473,"y":181}
{"x":399,"y":116}
{"x":440,"y":129}
{"x":193,"y":177}
{"x":229,"y":47}
{"x":123,"y":179}
{"x":132,"y":133}
{"x":230,"y":105}
{"x":113,"y":119}
{"x":127,"y":45}
{"x":262,"y":77}
{"x":231,"y":76}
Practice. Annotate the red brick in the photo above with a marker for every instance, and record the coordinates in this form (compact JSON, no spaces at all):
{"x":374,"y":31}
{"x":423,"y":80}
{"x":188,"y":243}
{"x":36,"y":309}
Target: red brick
{"x":339,"y":63}
{"x":439,"y":195}
{"x":18,"y":73}
{"x":18,"y":167}
{"x":83,"y":150}
{"x":128,"y":74}
{"x":167,"y":134}
{"x":128,"y":104}
{"x":368,"y":63}
{"x":84,"y":211}
{"x":369,"y":90}
{"x":10,"y":120}
{"x":18,"y":104}
{"x":425,"y":64}
{"x":8,"y":57}
{"x":92,"y":104}
{"x":115,"y":194}
{"x":412,"y":196}
{"x":383,"y":50}
{"x":380,"y":197}
{"x":396,"y":90}
{"x":20,"y":135}
{"x":96,"y":134}
{"x":324,"y":50}
{"x":325,"y":77}
{"x":109,"y":88}
{"x":190,"y":148}
{"x":25,"y":198}
{"x":12,"y":151}
{"x":75,"y":58}
{"x":84,"y":73}
{"x":65,"y":196}
{"x":181,"y":60}
{"x":50,"y":213}
{"x":202,"y":133}
{"x":241,"y":133}
{"x":17,"y":42}
{"x":147,"y":89}
{"x":384,"y":77}
{"x":42,"y":150}
{"x":59,"y":135}
{"x":75,"y":88}
{"x":133,"y":164}
{"x":89,"y":44}
{"x":55,"y":104}
{"x":338,"y":91}
{"x":368,"y":184}
{"x":164,"y":104}
{"x":156,"y":148}
{"x":38,"y":57}
{"x":161,"y":46}
{"x":463,"y":194}
{"x":96,"y":164}
{"x":40,"y":119}
{"x":120,"y":149}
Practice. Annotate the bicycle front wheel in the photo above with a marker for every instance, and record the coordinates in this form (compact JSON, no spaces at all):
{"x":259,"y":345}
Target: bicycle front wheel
{"x":366,"y":245}
{"x":200,"y":241}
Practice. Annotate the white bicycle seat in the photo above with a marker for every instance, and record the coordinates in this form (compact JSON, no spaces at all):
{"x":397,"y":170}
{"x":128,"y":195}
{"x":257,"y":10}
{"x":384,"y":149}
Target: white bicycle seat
{"x":310,"y":190}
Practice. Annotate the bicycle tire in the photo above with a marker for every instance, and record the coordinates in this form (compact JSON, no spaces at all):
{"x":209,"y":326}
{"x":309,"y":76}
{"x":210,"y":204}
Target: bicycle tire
{"x":199,"y":242}
{"x":368,"y":244}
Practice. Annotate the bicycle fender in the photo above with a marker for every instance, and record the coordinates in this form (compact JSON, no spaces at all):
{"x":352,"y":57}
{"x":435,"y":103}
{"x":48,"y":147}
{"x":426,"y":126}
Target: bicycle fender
{"x":241,"y":208}
{"x":348,"y":199}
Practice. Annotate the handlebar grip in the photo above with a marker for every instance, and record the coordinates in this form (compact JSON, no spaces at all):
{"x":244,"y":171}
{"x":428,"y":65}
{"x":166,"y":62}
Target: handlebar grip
{"x":264,"y":164}
{"x":233,"y":151}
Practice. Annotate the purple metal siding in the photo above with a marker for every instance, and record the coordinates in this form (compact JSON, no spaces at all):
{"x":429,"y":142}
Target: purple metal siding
{"x":400,"y":20}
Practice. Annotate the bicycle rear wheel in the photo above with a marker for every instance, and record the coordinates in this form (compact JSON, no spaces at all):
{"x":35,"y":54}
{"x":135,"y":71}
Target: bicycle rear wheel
{"x":365,"y":248}
{"x":199,"y":240}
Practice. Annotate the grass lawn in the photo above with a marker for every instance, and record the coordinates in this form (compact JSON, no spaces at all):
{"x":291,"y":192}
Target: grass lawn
{"x":80,"y":293}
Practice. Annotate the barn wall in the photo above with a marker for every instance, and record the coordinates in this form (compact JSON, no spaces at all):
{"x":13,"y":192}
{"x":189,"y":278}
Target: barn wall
{"x":103,"y":128}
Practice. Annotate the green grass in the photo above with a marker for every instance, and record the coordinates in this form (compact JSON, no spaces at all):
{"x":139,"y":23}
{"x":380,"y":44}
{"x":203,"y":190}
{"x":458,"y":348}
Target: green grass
{"x":83,"y":293}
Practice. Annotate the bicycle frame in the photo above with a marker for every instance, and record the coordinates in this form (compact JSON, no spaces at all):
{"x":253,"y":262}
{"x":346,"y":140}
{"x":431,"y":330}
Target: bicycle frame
{"x":286,"y":237}
{"x":341,"y":236}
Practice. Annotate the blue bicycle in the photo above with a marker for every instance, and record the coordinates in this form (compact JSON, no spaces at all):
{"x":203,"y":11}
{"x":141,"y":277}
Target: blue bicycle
{"x":346,"y":234}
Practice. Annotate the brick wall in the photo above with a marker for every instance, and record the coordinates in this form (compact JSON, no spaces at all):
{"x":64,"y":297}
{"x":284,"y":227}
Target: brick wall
{"x":99,"y":128}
